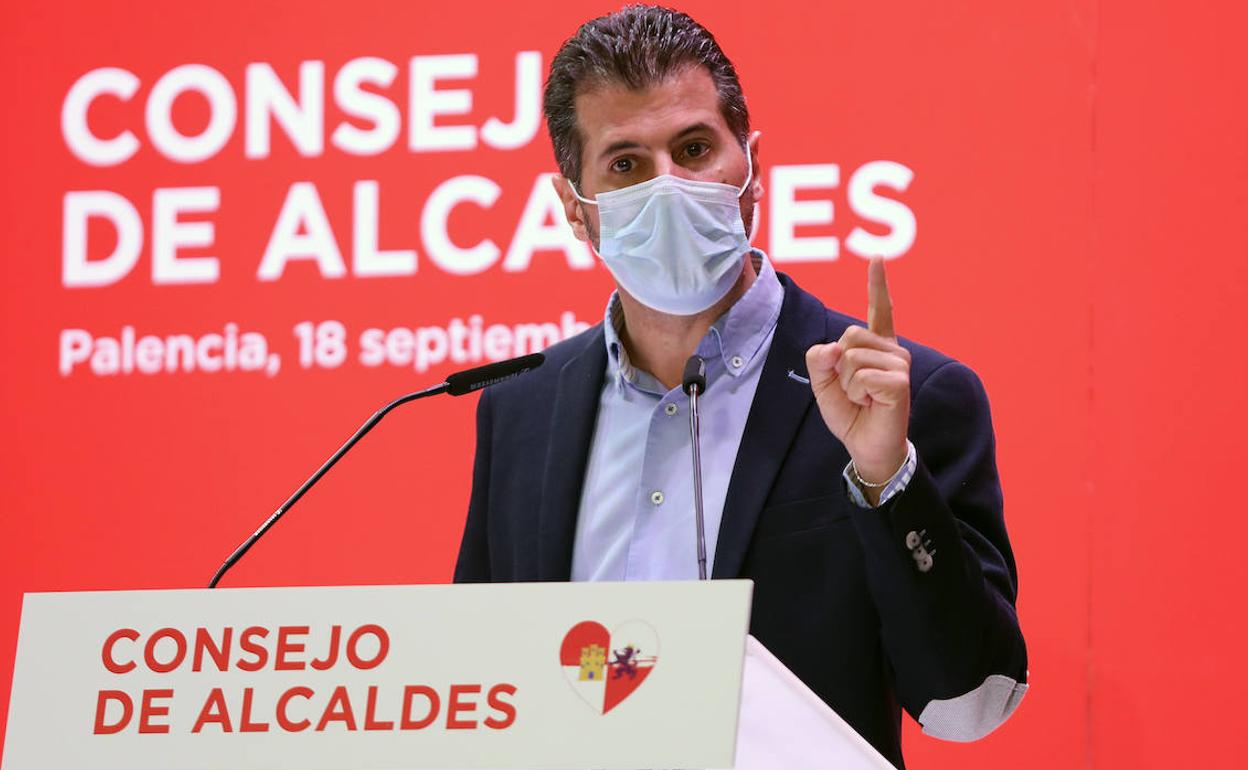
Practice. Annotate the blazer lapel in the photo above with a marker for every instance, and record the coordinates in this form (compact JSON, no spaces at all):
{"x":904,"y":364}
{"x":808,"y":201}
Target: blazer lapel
{"x":778,"y":410}
{"x":571,"y":431}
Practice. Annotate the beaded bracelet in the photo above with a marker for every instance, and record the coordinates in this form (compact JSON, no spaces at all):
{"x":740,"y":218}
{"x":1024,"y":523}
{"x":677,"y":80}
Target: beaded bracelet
{"x":860,"y":481}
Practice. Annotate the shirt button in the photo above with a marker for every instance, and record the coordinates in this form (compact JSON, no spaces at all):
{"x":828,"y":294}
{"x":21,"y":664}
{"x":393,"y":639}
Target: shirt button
{"x":656,"y":497}
{"x":737,"y":362}
{"x":670,"y":409}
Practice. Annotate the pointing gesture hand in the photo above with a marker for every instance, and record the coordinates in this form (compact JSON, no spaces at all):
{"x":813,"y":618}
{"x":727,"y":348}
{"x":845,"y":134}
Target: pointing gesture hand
{"x":879,"y":303}
{"x":862,"y":385}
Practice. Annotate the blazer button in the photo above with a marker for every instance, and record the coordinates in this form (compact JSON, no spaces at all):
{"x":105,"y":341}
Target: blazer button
{"x":924,"y":561}
{"x":912,"y":540}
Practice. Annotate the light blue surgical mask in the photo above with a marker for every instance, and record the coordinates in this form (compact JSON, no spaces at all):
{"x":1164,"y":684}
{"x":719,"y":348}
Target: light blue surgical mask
{"x":677,"y":245}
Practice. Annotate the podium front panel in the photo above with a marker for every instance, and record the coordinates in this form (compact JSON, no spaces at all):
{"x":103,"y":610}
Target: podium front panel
{"x":558,"y":675}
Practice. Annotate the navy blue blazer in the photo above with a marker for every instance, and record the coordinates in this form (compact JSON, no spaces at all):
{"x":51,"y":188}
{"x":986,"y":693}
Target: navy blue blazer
{"x":839,"y":595}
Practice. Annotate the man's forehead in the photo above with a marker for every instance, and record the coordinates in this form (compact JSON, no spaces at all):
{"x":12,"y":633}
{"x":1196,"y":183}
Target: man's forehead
{"x":611,"y":111}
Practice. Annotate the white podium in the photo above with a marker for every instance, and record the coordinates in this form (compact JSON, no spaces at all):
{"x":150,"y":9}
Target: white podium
{"x":785,"y":725}
{"x":551,"y":675}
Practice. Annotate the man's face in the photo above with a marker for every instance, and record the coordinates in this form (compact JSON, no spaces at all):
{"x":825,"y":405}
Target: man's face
{"x":674,"y":127}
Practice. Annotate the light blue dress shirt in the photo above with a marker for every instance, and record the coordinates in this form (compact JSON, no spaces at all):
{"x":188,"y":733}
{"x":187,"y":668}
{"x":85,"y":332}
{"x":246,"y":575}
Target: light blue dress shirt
{"x":636,"y":519}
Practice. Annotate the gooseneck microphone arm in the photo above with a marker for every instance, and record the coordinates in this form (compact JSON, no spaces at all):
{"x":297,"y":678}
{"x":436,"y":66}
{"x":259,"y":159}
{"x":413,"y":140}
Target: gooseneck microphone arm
{"x":315,"y":477}
{"x":457,"y":384}
{"x":694,"y":384}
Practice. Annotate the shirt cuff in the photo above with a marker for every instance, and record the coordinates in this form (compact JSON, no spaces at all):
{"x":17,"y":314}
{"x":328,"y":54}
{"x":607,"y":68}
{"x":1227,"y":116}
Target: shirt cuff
{"x":894,"y":485}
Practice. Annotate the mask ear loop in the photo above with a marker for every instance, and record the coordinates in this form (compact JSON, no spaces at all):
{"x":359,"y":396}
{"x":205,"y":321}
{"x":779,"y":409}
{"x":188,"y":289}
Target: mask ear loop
{"x":749,"y":177}
{"x":579,"y":196}
{"x":749,"y":171}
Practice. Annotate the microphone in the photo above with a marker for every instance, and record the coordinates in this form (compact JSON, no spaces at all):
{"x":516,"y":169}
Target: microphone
{"x":695,"y":376}
{"x":469,"y":380}
{"x":694,"y":384}
{"x":457,"y":384}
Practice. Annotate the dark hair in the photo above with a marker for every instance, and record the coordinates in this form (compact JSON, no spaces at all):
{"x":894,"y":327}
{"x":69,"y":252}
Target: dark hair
{"x":638,"y":46}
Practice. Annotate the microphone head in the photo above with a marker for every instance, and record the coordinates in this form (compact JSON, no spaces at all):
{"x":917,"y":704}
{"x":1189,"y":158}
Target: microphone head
{"x":695,"y":375}
{"x":469,"y":380}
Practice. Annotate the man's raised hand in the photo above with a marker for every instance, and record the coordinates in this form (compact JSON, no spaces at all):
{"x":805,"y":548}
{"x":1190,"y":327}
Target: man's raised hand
{"x":862,"y":385}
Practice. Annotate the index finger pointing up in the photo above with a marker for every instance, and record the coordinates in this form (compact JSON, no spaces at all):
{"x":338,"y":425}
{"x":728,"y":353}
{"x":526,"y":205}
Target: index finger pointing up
{"x":879,"y":303}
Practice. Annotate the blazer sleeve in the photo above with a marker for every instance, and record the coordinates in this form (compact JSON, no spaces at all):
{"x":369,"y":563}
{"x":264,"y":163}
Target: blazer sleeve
{"x":941,"y":572}
{"x":473,"y":564}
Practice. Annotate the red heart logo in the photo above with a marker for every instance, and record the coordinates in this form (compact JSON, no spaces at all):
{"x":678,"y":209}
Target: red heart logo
{"x":605,"y":667}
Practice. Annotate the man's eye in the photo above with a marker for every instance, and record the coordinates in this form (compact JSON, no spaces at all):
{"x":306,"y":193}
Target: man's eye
{"x":696,"y":149}
{"x":622,"y":165}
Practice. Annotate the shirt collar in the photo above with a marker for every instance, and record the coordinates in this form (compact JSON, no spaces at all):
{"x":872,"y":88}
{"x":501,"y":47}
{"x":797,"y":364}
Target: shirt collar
{"x":736,"y":338}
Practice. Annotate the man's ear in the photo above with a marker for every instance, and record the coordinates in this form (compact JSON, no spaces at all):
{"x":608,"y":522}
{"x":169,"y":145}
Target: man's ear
{"x":756,"y":186}
{"x":572,"y":209}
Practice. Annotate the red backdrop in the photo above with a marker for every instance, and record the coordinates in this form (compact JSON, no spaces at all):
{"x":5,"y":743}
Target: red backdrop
{"x":1075,"y":174}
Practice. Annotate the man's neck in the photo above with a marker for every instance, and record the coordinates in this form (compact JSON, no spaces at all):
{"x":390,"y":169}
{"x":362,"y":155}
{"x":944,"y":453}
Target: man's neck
{"x":660,"y":344}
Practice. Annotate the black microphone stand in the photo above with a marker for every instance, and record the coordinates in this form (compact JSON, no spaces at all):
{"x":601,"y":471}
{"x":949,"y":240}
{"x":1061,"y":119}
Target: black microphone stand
{"x":694,"y":383}
{"x":315,"y":477}
{"x":457,"y":384}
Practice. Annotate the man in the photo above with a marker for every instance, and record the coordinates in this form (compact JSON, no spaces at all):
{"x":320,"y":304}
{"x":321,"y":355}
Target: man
{"x":850,"y":474}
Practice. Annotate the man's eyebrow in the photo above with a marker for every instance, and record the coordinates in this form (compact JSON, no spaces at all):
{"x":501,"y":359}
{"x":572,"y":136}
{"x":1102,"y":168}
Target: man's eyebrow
{"x":628,"y":144}
{"x":614,"y":147}
{"x":695,"y":128}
